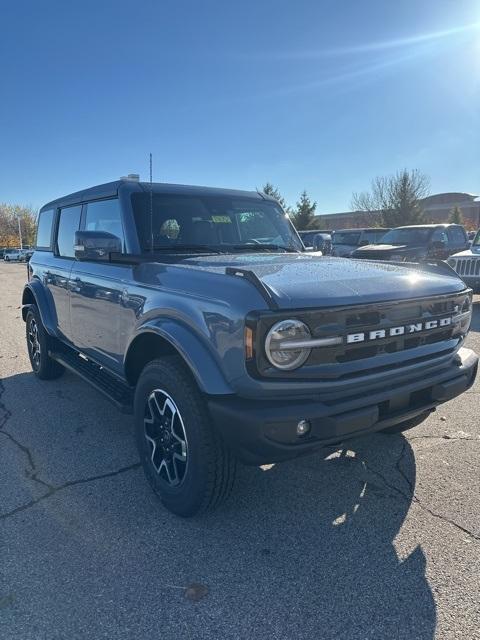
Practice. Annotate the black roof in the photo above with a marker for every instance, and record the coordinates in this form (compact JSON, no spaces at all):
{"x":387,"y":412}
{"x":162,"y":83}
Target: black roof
{"x":430,"y":226}
{"x":110,"y":189}
{"x":365,"y":229}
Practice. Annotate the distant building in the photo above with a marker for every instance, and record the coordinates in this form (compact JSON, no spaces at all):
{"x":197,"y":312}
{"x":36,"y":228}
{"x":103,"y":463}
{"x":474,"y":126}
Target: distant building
{"x":437,"y":208}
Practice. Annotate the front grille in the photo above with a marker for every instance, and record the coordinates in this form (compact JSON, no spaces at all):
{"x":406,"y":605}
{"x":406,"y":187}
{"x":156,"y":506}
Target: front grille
{"x":466,"y":266}
{"x":359,"y":358}
{"x":385,"y":317}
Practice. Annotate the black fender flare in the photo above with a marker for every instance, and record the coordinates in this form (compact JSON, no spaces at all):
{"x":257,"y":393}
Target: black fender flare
{"x":35,"y":293}
{"x":197,"y":357}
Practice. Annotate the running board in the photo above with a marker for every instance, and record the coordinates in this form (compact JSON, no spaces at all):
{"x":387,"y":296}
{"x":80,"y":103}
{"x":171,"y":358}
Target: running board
{"x":118,"y":392}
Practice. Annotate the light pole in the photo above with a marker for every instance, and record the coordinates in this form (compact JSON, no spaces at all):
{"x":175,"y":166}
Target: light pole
{"x":20,"y":232}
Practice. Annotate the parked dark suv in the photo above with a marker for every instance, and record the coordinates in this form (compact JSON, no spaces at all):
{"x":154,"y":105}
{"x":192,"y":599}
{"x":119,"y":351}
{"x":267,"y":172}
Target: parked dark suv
{"x":346,"y":241}
{"x":199,"y":311}
{"x":417,"y":243}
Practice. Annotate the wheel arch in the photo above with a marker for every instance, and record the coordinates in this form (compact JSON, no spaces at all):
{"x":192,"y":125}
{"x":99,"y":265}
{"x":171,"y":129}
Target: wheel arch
{"x":158,"y":340}
{"x":35,"y":294}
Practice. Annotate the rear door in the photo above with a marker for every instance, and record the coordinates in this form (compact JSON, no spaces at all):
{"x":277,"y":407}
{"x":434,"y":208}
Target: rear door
{"x":57,"y":275}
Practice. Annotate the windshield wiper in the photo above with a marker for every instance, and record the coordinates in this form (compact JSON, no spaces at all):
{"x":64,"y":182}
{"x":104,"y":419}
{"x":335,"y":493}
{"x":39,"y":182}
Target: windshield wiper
{"x":262,"y":247}
{"x":197,"y":248}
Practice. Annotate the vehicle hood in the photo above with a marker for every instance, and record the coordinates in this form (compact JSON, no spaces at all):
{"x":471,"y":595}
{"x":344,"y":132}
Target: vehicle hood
{"x":392,"y":248}
{"x":472,"y":252}
{"x":303,"y":280}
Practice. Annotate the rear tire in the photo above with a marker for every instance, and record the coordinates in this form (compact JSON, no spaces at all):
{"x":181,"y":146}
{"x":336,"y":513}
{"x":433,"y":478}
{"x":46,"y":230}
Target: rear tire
{"x":187,"y":464}
{"x":408,"y":424}
{"x":38,"y":342}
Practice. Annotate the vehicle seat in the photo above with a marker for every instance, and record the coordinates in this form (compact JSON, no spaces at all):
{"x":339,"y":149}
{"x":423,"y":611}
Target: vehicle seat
{"x":200,"y":232}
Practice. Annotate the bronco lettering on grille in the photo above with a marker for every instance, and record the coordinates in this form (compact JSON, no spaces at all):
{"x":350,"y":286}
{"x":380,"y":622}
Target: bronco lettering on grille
{"x":405,"y":329}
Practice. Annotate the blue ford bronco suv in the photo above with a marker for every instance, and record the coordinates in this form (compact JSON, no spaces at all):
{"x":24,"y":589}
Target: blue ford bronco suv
{"x":199,"y":311}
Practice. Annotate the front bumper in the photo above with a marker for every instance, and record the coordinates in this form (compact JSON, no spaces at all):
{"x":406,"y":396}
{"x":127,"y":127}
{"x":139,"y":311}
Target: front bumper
{"x":264,"y":431}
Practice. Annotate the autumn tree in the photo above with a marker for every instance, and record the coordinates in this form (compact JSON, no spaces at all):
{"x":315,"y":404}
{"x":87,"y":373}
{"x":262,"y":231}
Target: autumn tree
{"x":13,"y":220}
{"x":395,"y":200}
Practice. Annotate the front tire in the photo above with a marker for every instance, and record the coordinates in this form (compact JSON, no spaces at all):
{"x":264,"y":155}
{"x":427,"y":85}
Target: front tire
{"x":37,"y":344}
{"x":187,"y":464}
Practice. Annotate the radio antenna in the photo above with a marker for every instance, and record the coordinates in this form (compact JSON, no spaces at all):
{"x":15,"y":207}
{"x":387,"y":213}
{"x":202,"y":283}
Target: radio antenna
{"x":151,"y":204}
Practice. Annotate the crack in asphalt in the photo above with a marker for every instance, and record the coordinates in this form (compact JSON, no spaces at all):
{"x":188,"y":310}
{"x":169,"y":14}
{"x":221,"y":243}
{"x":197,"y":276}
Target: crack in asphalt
{"x":32,"y":474}
{"x":412,"y":496}
{"x":71,"y":483}
{"x":5,"y":414}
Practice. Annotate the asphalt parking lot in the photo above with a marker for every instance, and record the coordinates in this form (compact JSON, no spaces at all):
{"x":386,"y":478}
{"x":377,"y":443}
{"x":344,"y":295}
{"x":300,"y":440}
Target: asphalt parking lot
{"x":380,"y":540}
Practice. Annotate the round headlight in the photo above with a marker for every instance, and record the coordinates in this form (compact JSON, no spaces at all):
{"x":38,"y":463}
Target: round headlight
{"x":283,"y":344}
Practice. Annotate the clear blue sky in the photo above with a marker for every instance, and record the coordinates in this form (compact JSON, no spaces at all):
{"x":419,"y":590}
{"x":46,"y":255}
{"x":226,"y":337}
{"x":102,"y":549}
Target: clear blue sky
{"x":314,"y":94}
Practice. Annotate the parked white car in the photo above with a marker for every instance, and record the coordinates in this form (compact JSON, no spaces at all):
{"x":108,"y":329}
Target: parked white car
{"x":13,"y":255}
{"x":467,"y":264}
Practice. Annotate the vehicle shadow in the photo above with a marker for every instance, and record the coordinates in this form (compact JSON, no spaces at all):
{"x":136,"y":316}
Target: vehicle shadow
{"x":312,"y":548}
{"x":327,"y":526}
{"x":475,"y":326}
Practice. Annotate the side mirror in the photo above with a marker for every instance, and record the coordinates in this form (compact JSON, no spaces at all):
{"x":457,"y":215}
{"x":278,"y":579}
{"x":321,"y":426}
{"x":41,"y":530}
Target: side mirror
{"x":438,"y":245}
{"x":363,"y":243}
{"x":96,"y":245}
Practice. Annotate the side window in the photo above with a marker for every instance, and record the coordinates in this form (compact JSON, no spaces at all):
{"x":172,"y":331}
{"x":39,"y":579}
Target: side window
{"x":457,"y":236}
{"x":44,"y":230}
{"x":69,"y":223}
{"x":105,"y":215}
{"x":439,"y":235}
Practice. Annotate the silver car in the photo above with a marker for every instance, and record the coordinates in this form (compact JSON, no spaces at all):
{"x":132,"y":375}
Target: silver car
{"x":467,"y":264}
{"x":13,"y":255}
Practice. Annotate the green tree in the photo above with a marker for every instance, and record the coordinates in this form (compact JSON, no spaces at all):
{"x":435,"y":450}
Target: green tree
{"x":394,"y":200}
{"x":270,"y":190}
{"x":456,"y":215}
{"x":304,"y":215}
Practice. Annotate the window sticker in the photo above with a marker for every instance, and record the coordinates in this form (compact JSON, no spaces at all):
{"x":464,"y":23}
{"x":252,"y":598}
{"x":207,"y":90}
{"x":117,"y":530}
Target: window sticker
{"x":222,"y":219}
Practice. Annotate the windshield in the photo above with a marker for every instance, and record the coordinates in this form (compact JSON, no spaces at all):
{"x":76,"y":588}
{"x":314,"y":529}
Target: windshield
{"x":412,"y":236}
{"x":346,"y":237}
{"x":216,"y":222}
{"x":476,"y":241}
{"x":308,"y":237}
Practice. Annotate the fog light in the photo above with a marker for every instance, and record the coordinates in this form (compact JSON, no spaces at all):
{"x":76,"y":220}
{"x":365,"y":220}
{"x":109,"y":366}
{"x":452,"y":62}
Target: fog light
{"x":303,"y":427}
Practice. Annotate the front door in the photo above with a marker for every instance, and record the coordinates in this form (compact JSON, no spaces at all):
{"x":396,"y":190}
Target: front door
{"x":102,"y":317}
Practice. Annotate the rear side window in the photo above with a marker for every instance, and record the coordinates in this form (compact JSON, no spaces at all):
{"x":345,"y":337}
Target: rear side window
{"x":105,"y":215}
{"x":44,"y":230}
{"x":439,"y":235}
{"x":457,"y":235}
{"x":69,"y":223}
